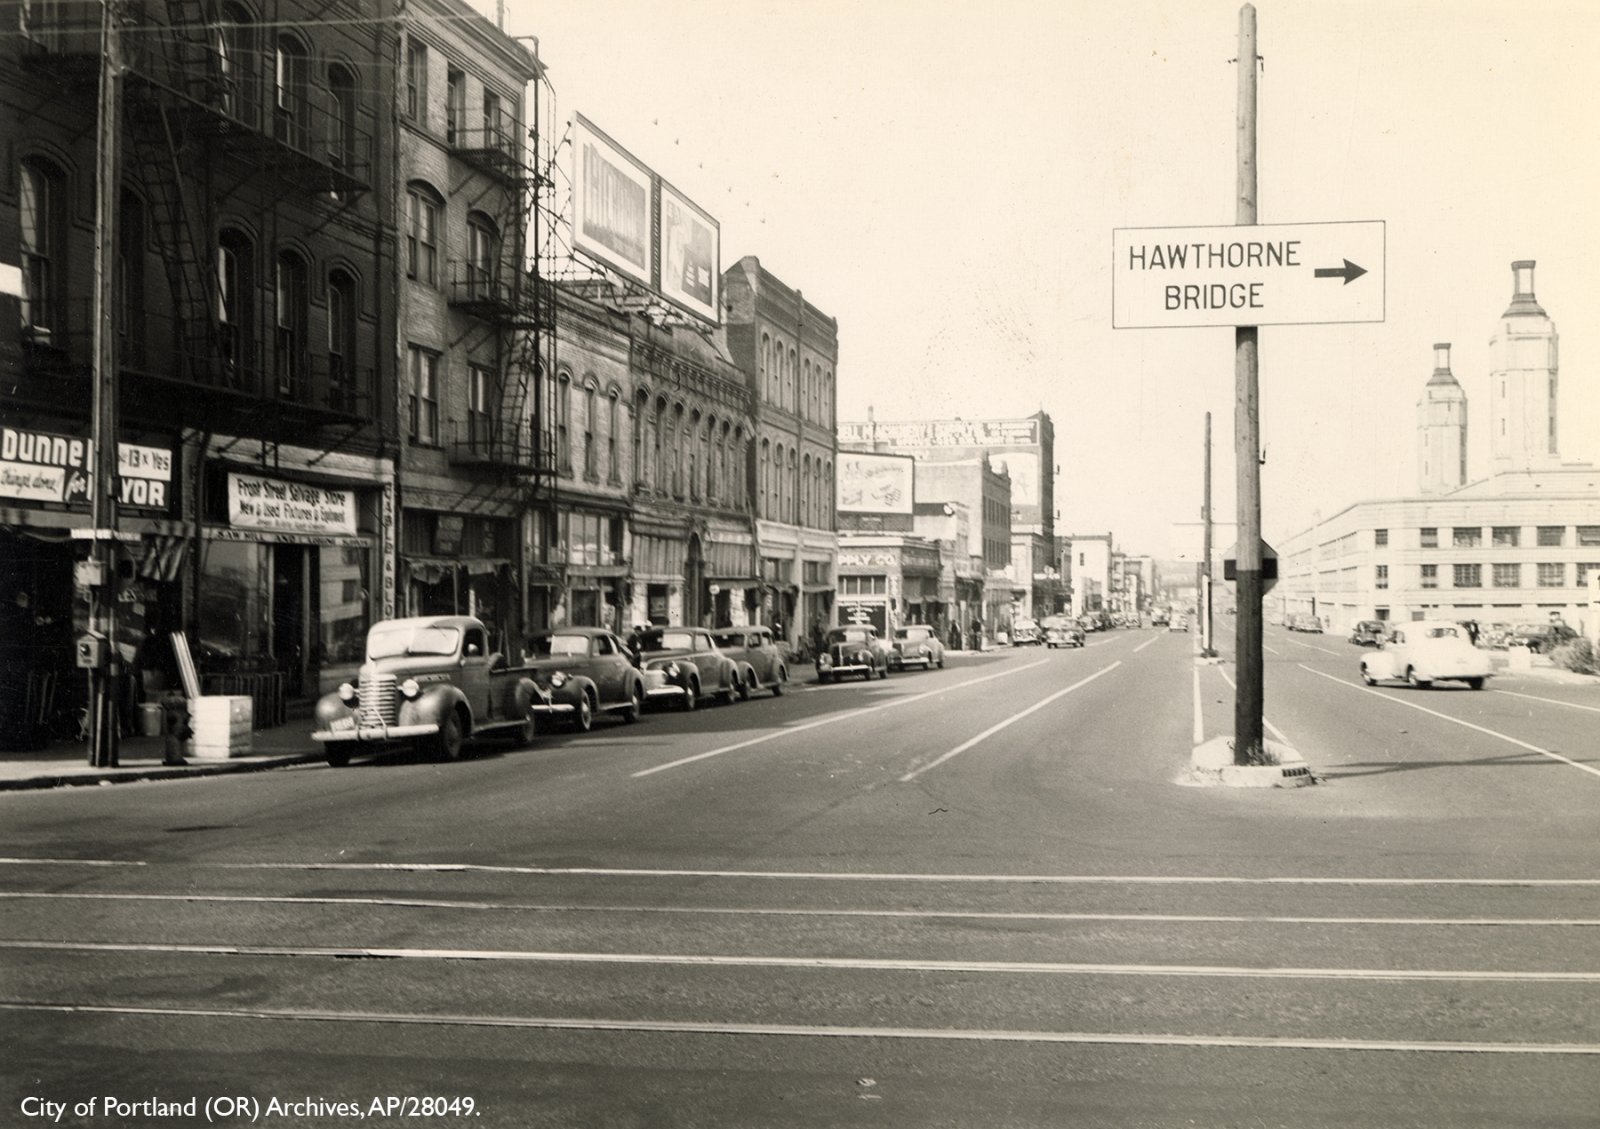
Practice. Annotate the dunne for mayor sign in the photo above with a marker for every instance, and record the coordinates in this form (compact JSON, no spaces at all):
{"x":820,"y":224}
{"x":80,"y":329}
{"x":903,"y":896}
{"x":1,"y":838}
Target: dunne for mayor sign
{"x":1263,"y":274}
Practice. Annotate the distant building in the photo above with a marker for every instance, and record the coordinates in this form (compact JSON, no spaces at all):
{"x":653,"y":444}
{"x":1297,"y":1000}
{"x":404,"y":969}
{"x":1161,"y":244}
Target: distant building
{"x":1516,"y":547}
{"x":1089,"y":556}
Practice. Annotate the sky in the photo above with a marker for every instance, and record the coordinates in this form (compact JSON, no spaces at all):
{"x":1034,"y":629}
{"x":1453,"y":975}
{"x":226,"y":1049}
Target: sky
{"x":944,"y":178}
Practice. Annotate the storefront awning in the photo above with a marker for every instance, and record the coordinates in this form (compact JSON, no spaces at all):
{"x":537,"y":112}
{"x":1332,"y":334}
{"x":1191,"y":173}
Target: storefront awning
{"x":431,"y":570}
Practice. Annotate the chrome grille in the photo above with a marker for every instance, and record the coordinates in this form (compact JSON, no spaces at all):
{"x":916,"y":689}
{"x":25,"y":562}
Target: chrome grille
{"x":378,"y":704}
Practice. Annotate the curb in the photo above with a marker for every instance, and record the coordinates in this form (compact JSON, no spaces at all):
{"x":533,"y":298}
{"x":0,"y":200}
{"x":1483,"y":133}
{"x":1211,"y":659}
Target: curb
{"x":155,"y":772}
{"x":1212,"y":762}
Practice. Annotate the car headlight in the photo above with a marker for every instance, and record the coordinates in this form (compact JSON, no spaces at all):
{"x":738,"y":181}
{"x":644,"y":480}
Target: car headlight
{"x":409,"y":689}
{"x":672,"y":670}
{"x":824,"y":660}
{"x":558,"y":679}
{"x":347,"y":694}
{"x":864,"y":656}
{"x":922,"y":650}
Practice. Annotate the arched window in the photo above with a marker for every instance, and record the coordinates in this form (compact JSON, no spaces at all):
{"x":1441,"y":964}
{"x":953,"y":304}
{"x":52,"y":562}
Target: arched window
{"x":827,"y":490}
{"x":564,"y":422}
{"x":233,"y":42}
{"x":291,"y":113}
{"x":658,"y":472}
{"x":780,"y":485}
{"x":764,"y":480}
{"x":423,"y":208}
{"x":613,"y":429}
{"x":290,"y":348}
{"x":342,"y":340}
{"x":805,"y":388}
{"x":483,"y":244}
{"x":792,"y":373}
{"x":804,"y":517}
{"x":765,"y":382}
{"x":679,"y":439}
{"x":693,"y":440}
{"x":43,"y":232}
{"x":342,"y":117}
{"x":820,"y":499}
{"x":591,"y":449}
{"x":789,"y":514}
{"x":641,"y":468}
{"x":236,"y":288}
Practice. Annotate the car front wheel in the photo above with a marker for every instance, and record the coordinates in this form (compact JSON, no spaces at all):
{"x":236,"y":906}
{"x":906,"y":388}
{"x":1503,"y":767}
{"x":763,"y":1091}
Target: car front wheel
{"x":447,"y":742}
{"x":690,"y":697}
{"x":583,"y":718}
{"x":635,"y":705}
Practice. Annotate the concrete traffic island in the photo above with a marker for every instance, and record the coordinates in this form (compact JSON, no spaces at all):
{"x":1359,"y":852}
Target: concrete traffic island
{"x":1211,"y":765}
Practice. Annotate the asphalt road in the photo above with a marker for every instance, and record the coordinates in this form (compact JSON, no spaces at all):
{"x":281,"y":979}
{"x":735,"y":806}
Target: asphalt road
{"x":985,"y":896}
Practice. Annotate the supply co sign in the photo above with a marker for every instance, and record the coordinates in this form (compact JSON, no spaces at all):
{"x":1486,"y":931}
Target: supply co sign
{"x":1264,"y":274}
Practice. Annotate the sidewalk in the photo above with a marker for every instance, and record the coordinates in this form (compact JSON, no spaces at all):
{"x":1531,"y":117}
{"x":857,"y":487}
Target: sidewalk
{"x":139,"y":758}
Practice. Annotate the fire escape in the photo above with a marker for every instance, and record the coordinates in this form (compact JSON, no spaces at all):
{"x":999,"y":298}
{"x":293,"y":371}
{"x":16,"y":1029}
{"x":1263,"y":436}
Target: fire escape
{"x":216,"y":108}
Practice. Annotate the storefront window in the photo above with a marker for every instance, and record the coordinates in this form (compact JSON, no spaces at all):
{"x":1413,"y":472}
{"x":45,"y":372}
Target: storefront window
{"x":346,"y":574}
{"x":235,"y":624}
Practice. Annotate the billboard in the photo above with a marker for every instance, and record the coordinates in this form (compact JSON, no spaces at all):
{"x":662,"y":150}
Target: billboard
{"x":876,"y":484}
{"x":628,"y":218}
{"x":1024,"y":471}
{"x":612,"y":203}
{"x":690,"y":254}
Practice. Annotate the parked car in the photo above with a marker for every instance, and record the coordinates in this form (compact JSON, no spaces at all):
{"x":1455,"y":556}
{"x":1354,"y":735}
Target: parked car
{"x":1178,"y":622}
{"x":1025,"y":632}
{"x":684,"y":664}
{"x":761,"y":666}
{"x":1159,"y":617}
{"x":916,"y":644}
{"x":1304,"y":621}
{"x":584,"y":671}
{"x":427,"y":680}
{"x":1061,"y":631}
{"x":1539,"y":637}
{"x":853,"y":649}
{"x":1368,"y":632}
{"x":1427,"y":651}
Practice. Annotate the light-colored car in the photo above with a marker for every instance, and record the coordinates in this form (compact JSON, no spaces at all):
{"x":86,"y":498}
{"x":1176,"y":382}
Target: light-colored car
{"x":1178,"y":623}
{"x":1025,"y":632}
{"x":916,"y":644}
{"x":761,"y":666}
{"x":1427,"y":651}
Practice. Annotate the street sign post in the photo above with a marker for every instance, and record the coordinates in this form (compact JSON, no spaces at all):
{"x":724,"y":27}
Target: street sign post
{"x":1269,"y":565}
{"x":1247,"y":275}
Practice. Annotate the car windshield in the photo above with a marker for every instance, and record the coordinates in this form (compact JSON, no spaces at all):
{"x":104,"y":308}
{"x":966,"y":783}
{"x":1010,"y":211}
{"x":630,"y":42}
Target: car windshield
{"x":1443,"y":632}
{"x":850,"y":635}
{"x":1532,"y":629}
{"x":729,"y":638}
{"x":561,"y":646}
{"x":667,"y":641}
{"x":913,"y":634}
{"x":389,"y":640}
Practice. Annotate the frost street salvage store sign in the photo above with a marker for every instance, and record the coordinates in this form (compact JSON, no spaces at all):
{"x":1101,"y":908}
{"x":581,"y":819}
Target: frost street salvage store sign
{"x":1263,"y":274}
{"x":38,"y":466}
{"x":289,"y":507}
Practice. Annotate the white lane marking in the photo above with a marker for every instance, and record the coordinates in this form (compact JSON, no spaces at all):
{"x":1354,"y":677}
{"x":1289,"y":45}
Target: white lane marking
{"x":1457,"y":721}
{"x":854,"y":964}
{"x":789,"y":911}
{"x":1276,"y":732}
{"x":816,"y":875}
{"x":690,"y":1027}
{"x":1199,"y":719}
{"x":1145,"y":644}
{"x":773,"y":735}
{"x":993,"y":729}
{"x":1552,"y":701}
{"x":1271,"y":650}
{"x":1313,"y":646}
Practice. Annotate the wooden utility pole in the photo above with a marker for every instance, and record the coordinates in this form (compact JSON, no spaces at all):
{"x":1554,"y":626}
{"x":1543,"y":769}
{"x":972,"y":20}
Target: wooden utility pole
{"x":1247,"y":703}
{"x":105,"y":680}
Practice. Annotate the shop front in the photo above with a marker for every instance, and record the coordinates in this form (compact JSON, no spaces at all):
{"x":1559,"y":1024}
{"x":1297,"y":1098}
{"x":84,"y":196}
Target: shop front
{"x":45,"y":601}
{"x":288,"y":581}
{"x":463,"y":564}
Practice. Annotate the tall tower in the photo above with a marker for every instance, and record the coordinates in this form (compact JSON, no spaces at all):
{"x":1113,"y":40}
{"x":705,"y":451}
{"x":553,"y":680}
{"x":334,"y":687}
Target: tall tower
{"x":1442,"y":429}
{"x":1522,"y":381}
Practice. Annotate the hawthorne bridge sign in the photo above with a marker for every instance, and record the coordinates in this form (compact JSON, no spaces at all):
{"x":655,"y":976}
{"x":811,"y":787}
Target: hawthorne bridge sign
{"x":1262,"y":274}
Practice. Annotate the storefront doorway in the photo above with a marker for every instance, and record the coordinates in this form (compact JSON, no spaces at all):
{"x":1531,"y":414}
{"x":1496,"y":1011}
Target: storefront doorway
{"x":293,"y":567}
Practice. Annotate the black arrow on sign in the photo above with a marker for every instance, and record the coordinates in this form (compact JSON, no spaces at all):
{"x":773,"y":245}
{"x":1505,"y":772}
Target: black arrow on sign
{"x":1348,"y":272}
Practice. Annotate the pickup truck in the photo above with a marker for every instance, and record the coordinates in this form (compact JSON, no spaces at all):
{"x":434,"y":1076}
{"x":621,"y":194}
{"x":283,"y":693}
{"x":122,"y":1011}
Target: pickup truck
{"x":427,"y":680}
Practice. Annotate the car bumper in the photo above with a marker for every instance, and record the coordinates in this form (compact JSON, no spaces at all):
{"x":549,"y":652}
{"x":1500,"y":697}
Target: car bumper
{"x":847,"y":668}
{"x":374,"y":734}
{"x":553,"y":708}
{"x":667,"y":691}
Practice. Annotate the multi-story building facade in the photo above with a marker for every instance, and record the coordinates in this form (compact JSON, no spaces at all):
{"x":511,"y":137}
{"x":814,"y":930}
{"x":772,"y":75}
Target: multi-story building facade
{"x":1518,"y":546}
{"x":252,"y":313}
{"x":789,"y":352}
{"x":1089,"y":556}
{"x":1025,"y":449}
{"x":961,"y":573}
{"x":984,"y":492}
{"x":469,"y":317}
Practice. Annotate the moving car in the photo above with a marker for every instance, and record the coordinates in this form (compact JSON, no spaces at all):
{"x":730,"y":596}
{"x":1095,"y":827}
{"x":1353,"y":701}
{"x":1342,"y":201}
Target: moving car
{"x":1427,"y":651}
{"x":427,"y":680}
{"x":1062,"y":631}
{"x":916,"y":644}
{"x":1025,"y":631}
{"x":1368,"y":632}
{"x":1539,"y":637}
{"x":1178,"y":622}
{"x":853,"y":649}
{"x":761,"y":666}
{"x":584,"y":671}
{"x":684,"y":664}
{"x":1304,"y":621}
